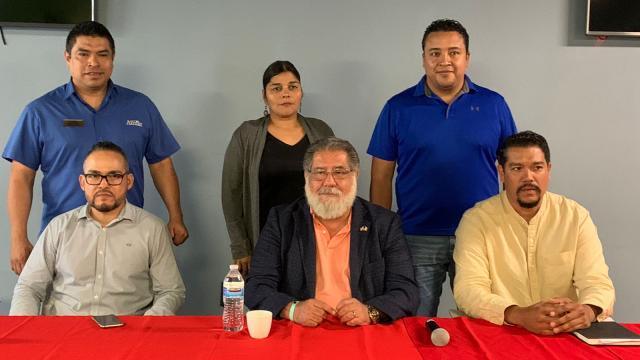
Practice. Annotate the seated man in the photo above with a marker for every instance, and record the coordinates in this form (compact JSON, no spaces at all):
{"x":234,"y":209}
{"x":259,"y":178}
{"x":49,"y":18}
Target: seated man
{"x":332,"y":254}
{"x":105,"y":257}
{"x":529,"y":257}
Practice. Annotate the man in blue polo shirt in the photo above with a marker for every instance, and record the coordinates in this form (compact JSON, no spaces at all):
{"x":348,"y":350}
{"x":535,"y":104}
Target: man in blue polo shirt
{"x":443,"y":135}
{"x":55,"y":131}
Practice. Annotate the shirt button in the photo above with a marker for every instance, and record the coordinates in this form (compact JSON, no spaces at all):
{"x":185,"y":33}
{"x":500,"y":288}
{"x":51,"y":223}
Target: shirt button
{"x":99,"y":276}
{"x":95,"y":297}
{"x":100,"y":252}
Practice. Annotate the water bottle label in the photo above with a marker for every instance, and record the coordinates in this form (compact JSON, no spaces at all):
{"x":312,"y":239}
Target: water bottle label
{"x":233,"y":284}
{"x":233,"y":292}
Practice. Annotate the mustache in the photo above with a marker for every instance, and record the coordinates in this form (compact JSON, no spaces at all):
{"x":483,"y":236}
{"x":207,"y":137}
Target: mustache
{"x":529,"y":187}
{"x":103,"y":192}
{"x":326,"y":190}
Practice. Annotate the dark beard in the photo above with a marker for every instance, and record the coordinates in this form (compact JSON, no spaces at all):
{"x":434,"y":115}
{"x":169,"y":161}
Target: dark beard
{"x":528,"y":205}
{"x":104,"y":207}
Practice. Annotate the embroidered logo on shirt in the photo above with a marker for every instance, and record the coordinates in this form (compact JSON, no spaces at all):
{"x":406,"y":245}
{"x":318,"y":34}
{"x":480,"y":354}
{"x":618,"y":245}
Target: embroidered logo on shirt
{"x":364,"y":228}
{"x":134,"y":123}
{"x":475,"y":108}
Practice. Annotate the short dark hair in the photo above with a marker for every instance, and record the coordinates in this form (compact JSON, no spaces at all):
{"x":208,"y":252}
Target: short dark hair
{"x":109,"y":146}
{"x":89,"y":28}
{"x":276,"y":68}
{"x":446,"y":25}
{"x":523,"y":139}
{"x":331,"y":144}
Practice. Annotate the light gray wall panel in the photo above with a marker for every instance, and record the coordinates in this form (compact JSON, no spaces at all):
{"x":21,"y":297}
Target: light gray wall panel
{"x":201,"y":62}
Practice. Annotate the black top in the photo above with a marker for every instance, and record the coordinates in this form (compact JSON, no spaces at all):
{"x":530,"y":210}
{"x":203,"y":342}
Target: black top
{"x":281,"y":174}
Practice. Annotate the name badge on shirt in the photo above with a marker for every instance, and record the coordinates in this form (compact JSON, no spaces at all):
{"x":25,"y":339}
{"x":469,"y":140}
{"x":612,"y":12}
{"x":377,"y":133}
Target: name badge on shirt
{"x":73,"y":123}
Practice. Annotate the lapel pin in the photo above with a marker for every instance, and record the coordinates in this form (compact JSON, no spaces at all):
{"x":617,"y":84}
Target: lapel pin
{"x":364,"y":228}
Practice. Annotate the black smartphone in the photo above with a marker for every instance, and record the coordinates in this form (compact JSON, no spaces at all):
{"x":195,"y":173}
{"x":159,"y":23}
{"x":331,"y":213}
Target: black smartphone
{"x":107,"y":321}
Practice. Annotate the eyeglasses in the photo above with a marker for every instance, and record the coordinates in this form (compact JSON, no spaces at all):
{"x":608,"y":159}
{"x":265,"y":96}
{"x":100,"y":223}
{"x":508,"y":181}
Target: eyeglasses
{"x":112,"y":179}
{"x":337,"y":173}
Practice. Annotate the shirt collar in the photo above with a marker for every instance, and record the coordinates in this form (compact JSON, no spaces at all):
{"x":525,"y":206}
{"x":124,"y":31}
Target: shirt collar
{"x":71,"y":90}
{"x":127,"y":213}
{"x":346,"y":228}
{"x":512,"y":212}
{"x":422,"y":89}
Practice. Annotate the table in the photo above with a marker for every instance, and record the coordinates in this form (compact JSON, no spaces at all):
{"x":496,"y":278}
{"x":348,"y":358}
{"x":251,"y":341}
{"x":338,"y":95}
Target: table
{"x":201,"y":337}
{"x":479,"y":339}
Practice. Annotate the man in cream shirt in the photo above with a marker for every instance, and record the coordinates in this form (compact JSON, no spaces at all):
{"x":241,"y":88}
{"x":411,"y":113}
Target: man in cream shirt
{"x":528,"y":257}
{"x":105,"y":257}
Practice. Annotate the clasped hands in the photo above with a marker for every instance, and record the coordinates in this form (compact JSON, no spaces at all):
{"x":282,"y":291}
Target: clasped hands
{"x":552,"y":316}
{"x":312,"y":312}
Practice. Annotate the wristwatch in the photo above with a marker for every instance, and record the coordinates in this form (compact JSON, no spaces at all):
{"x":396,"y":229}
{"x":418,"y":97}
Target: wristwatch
{"x":374,"y":314}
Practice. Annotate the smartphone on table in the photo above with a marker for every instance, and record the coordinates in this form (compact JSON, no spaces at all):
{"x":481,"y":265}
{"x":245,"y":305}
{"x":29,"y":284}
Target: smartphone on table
{"x":107,"y":321}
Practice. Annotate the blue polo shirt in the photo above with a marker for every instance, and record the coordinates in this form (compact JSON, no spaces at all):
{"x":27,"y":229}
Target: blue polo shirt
{"x":445,"y":154}
{"x":55,"y":132}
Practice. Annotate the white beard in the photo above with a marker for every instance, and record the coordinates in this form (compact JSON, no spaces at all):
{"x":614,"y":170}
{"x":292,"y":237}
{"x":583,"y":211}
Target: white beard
{"x":330,"y":208}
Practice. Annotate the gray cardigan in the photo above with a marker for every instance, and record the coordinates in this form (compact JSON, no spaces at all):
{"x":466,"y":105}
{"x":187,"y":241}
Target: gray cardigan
{"x":240,"y":176}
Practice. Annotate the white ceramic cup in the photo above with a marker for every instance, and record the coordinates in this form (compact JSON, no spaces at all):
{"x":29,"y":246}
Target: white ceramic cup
{"x":259,"y":323}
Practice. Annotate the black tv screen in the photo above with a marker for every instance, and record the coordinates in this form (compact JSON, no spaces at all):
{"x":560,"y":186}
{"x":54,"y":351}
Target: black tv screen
{"x":45,"y":12}
{"x":613,"y":17}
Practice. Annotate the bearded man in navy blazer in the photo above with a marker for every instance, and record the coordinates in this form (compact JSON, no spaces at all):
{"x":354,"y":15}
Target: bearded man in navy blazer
{"x":332,"y":255}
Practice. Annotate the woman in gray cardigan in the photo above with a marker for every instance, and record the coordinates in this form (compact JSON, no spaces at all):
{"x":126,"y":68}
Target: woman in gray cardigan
{"x":263,"y":162}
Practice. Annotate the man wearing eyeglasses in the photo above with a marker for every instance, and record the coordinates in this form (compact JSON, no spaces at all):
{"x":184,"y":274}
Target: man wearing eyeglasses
{"x":332,"y":255}
{"x":105,"y":257}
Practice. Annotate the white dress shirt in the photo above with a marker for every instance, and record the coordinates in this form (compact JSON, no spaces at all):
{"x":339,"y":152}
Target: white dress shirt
{"x":124,"y":268}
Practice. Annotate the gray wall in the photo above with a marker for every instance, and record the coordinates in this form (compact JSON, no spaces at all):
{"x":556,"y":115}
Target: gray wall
{"x":201,"y":62}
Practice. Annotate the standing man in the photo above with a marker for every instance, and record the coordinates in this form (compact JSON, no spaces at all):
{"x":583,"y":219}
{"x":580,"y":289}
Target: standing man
{"x":55,"y":131}
{"x":443,"y":135}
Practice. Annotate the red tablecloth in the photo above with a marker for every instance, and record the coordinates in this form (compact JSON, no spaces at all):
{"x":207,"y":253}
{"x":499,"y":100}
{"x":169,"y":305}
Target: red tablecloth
{"x":190,"y":337}
{"x":479,"y":339}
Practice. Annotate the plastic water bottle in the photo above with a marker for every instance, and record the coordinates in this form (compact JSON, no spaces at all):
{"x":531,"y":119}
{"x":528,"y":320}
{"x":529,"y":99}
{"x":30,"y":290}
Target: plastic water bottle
{"x":233,"y":295}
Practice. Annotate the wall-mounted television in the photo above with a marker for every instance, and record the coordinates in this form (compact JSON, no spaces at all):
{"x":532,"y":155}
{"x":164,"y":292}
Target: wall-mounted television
{"x":613,"y":17}
{"x":45,"y":13}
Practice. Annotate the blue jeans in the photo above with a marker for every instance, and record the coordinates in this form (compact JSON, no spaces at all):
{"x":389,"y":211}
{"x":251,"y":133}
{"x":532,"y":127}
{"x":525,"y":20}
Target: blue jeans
{"x":432,"y":259}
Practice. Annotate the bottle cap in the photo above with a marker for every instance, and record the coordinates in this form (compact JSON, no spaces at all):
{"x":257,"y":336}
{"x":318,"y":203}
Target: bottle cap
{"x":233,"y":267}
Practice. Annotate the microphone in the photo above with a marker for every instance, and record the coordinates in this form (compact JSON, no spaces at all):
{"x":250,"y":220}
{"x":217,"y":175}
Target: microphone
{"x":439,"y":336}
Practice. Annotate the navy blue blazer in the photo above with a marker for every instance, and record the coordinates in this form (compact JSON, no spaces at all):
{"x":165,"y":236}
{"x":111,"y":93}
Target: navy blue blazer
{"x":283,"y":266}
